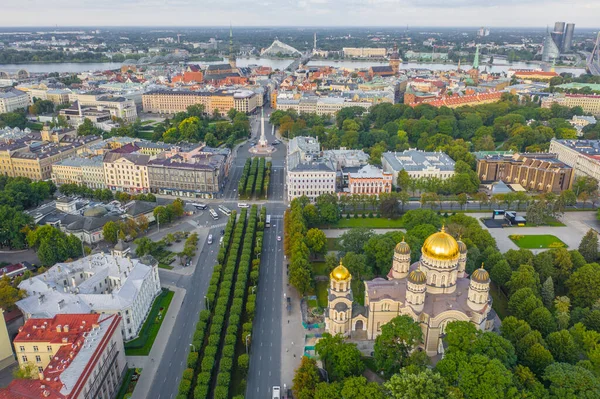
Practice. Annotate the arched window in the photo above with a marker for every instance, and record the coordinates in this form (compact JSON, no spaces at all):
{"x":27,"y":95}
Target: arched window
{"x":433,"y":279}
{"x":443,"y":281}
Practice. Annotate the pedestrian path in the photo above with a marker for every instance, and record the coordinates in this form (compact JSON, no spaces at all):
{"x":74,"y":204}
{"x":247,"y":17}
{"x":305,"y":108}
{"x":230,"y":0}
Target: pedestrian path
{"x":151,"y":362}
{"x":293,"y":334}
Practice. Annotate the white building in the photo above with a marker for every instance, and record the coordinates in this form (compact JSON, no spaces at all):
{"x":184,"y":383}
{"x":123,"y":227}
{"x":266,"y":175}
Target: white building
{"x":582,"y":155}
{"x":119,"y":107}
{"x":309,"y":173}
{"x":418,"y":164}
{"x":99,"y":283}
{"x":319,"y":105}
{"x":12,"y":99}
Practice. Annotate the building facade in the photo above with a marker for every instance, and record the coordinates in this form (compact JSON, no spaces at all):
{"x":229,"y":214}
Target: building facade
{"x":99,"y":283}
{"x":364,"y":52}
{"x":119,"y":107}
{"x":582,"y":155}
{"x":173,"y":101}
{"x":72,"y":356}
{"x":309,"y":173}
{"x":588,"y":102}
{"x":536,"y":172}
{"x":126,"y":172}
{"x":433,"y":291}
{"x":79,"y":170}
{"x":369,"y":180}
{"x":418,"y":164}
{"x":12,"y":100}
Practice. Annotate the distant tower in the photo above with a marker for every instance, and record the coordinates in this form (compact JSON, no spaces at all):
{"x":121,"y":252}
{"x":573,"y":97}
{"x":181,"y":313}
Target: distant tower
{"x":474,"y":72}
{"x":568,"y":38}
{"x":338,"y":318}
{"x":558,"y":34}
{"x":550,"y":50}
{"x":395,"y":59}
{"x":315,"y":43}
{"x":232,"y":61}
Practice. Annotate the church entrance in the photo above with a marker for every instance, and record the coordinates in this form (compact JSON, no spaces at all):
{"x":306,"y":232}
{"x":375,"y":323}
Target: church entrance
{"x":358,"y":326}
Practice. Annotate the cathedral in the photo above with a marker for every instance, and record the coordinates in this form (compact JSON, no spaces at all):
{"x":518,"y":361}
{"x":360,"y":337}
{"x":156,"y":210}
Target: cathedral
{"x":433,"y":291}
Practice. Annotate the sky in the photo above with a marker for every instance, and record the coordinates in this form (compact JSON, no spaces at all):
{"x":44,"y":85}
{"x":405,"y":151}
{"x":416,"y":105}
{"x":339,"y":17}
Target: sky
{"x":96,"y":13}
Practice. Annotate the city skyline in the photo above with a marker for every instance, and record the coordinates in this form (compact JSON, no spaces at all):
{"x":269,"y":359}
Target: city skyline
{"x":385,"y":13}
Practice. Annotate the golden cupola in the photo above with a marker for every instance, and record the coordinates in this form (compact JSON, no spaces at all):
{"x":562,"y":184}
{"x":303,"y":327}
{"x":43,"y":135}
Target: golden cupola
{"x":340,"y":273}
{"x":441,"y":246}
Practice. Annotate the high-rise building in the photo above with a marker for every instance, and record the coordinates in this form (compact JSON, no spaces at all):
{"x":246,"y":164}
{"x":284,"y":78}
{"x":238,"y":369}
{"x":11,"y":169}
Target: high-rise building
{"x":568,"y":38}
{"x":558,"y":34}
{"x":550,"y":51}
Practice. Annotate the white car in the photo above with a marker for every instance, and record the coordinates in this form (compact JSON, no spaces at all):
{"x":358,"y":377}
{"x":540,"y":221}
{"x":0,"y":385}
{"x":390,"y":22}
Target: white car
{"x":276,"y":392}
{"x":243,"y":205}
{"x":278,"y":238}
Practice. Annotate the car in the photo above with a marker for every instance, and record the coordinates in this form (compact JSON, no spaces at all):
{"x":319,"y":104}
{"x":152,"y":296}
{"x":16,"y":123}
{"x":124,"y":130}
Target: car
{"x":222,"y":232}
{"x":278,"y":238}
{"x":243,"y":205}
{"x":276,"y":392}
{"x":210,"y":238}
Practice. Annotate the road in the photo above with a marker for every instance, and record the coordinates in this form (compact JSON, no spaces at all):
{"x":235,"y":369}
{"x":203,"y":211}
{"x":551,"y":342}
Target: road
{"x":266,"y":342}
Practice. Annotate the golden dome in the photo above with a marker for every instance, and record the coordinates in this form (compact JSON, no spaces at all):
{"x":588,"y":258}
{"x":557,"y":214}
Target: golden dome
{"x":402,"y":247}
{"x":481,"y":275}
{"x":441,"y":246}
{"x":417,"y":276}
{"x":340,"y":273}
{"x":462,"y":247}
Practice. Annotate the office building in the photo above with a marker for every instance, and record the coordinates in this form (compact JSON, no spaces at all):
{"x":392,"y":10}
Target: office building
{"x":418,"y":164}
{"x":73,"y":356}
{"x":541,"y":172}
{"x":119,"y":107}
{"x":588,"y":102}
{"x":99,"y":283}
{"x":320,"y":105}
{"x":550,"y":51}
{"x":12,"y":100}
{"x":197,"y":173}
{"x":364,"y":52}
{"x":308,"y":172}
{"x":582,"y":155}
{"x":558,"y":34}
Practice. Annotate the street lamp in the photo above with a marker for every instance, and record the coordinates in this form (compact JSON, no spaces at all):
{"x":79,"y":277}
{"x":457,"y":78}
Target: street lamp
{"x":207,"y":301}
{"x":247,"y":336}
{"x":193,"y":347}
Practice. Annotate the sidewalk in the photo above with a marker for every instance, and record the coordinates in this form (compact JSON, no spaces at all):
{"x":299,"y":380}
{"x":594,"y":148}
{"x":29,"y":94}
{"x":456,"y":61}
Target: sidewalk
{"x":335,"y":233}
{"x":292,"y":331}
{"x":150,"y":363}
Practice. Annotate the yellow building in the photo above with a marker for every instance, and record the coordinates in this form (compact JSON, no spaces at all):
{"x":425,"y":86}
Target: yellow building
{"x":433,"y":291}
{"x":79,"y":170}
{"x":171,"y":102}
{"x":6,"y":353}
{"x":126,"y":172}
{"x":589,"y":103}
{"x":364,"y":52}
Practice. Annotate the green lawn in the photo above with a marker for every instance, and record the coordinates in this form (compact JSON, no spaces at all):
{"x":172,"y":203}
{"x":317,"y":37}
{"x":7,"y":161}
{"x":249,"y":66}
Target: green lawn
{"x":127,"y":386}
{"x":147,"y":135}
{"x":537,"y":241}
{"x":321,"y":292}
{"x":500,"y":304}
{"x":143,"y":343}
{"x":163,"y":266}
{"x":370,"y":223}
{"x":319,"y":269}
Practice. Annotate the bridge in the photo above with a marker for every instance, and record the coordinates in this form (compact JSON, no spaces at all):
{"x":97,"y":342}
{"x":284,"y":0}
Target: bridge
{"x":303,"y":60}
{"x":593,"y":60}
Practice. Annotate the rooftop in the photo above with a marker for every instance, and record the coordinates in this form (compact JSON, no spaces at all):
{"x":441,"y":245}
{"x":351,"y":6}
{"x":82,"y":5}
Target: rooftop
{"x":416,"y":160}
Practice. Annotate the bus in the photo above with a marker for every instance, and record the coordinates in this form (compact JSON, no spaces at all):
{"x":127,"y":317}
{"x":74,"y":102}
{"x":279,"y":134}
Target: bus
{"x":199,"y":206}
{"x":214,"y":214}
{"x":225,"y":210}
{"x":268,"y":221}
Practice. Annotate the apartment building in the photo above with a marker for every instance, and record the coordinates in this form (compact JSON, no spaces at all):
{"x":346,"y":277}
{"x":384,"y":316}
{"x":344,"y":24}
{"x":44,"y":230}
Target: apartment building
{"x":582,"y":155}
{"x":319,"y":105}
{"x":173,"y":101}
{"x":12,"y":100}
{"x":80,"y":170}
{"x":33,"y":157}
{"x":126,"y":171}
{"x":541,"y":172}
{"x":364,"y":52}
{"x":588,"y":102}
{"x":308,"y":172}
{"x":73,"y":356}
{"x":418,"y":164}
{"x":99,"y":283}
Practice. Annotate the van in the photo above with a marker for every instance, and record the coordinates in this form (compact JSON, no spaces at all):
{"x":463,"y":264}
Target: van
{"x":210,"y":238}
{"x":276,"y":392}
{"x":243,"y":205}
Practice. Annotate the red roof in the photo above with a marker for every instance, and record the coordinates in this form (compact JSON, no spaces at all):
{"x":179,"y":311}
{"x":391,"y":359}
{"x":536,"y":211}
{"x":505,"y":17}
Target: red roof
{"x":464,"y":100}
{"x":30,"y":389}
{"x":535,"y":73}
{"x":53,"y":330}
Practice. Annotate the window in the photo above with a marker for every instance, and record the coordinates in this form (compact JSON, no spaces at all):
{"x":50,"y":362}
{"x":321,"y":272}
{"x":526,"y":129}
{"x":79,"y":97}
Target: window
{"x":40,"y":369}
{"x":24,"y":358}
{"x":38,"y":359}
{"x":22,"y":348}
{"x":35,"y":348}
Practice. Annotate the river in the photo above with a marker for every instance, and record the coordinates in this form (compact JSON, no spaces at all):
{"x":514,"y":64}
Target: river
{"x":278,"y":64}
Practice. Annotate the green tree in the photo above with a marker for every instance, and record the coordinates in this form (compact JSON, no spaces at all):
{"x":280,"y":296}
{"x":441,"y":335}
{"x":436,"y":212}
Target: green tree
{"x":398,"y":338}
{"x":571,"y":382}
{"x":316,"y":241}
{"x":537,"y":358}
{"x":584,"y":285}
{"x":357,"y":266}
{"x":548,"y":293}
{"x":562,"y":304}
{"x":359,"y":388}
{"x":424,"y":385}
{"x":306,"y":379}
{"x":9,"y":294}
{"x":524,"y":277}
{"x":403,"y":180}
{"x":563,"y":347}
{"x":353,"y":240}
{"x":501,"y":273}
{"x":589,"y":246}
{"x":110,"y":231}
{"x":340,"y":359}
{"x":417,"y":217}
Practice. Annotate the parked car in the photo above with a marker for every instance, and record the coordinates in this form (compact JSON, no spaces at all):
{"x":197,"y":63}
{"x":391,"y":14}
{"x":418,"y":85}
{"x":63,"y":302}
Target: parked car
{"x":278,"y":238}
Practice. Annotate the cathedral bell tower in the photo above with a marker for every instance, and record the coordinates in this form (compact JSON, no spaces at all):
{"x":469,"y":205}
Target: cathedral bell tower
{"x":232,"y":61}
{"x":401,"y":261}
{"x":338,"y":318}
{"x":479,"y":289}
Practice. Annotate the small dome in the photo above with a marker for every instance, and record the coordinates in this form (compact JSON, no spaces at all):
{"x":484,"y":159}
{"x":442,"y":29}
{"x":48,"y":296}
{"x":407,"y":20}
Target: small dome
{"x":417,"y":276}
{"x":481,"y":275}
{"x":462,"y":247}
{"x":402,"y":248}
{"x":340,"y":273}
{"x":441,"y":246}
{"x":95,"y":211}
